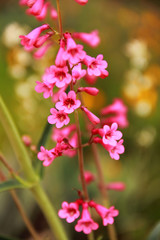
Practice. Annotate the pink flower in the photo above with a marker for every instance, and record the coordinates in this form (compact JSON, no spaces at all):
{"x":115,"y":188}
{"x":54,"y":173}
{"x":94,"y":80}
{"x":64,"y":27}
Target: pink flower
{"x":117,"y":186}
{"x":78,"y":72}
{"x":29,"y":40}
{"x":90,"y":90}
{"x":69,"y":211}
{"x":89,"y":177}
{"x":63,"y":133}
{"x":117,"y":107}
{"x":36,"y":8}
{"x":56,"y":95}
{"x":96,"y":66}
{"x":93,"y":118}
{"x":90,"y":79}
{"x":92,"y":39}
{"x":46,"y":156}
{"x":46,"y":88}
{"x":60,"y":118}
{"x":86,"y":223}
{"x":54,"y":14}
{"x":41,"y":51}
{"x":41,"y":16}
{"x":114,"y":151}
{"x":110,"y":135}
{"x":105,"y":213}
{"x":81,"y":2}
{"x":120,"y":119}
{"x":57,"y":75}
{"x":68,"y":103}
{"x":74,"y":52}
{"x":60,"y":62}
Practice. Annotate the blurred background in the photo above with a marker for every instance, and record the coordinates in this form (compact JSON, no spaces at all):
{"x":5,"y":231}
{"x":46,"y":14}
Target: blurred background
{"x":130,"y":36}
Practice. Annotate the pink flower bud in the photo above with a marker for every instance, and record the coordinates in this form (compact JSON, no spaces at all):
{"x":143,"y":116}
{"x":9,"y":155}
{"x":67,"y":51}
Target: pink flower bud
{"x":81,"y":2}
{"x":90,"y":90}
{"x":89,"y":177}
{"x":117,"y":186}
{"x":27,"y":140}
{"x":92,"y":39}
{"x":93,"y":118}
{"x":54,"y":14}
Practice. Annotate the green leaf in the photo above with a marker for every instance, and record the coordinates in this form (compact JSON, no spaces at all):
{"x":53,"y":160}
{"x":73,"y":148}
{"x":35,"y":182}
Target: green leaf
{"x":38,"y":164}
{"x":100,"y":238}
{"x":7,"y":238}
{"x":155,"y":233}
{"x":10,"y":185}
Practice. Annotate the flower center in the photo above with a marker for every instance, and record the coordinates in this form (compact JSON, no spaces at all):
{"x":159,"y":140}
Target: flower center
{"x":60,"y":75}
{"x":69,"y":102}
{"x":61,"y":117}
{"x":73,"y":51}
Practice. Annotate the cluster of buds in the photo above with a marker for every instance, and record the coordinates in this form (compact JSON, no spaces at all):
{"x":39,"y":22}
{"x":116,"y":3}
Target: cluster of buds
{"x":70,"y":212}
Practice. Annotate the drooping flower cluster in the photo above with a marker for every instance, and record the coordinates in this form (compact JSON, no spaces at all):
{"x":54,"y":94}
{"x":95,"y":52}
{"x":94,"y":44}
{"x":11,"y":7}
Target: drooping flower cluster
{"x":70,"y":212}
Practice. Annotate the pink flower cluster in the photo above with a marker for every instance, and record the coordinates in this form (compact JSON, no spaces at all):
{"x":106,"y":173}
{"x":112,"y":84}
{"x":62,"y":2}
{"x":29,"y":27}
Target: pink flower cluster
{"x":70,"y":212}
{"x":109,"y":136}
{"x":39,"y":9}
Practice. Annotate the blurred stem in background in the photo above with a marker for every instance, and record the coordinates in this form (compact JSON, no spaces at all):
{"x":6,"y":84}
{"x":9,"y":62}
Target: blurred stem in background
{"x":30,"y":174}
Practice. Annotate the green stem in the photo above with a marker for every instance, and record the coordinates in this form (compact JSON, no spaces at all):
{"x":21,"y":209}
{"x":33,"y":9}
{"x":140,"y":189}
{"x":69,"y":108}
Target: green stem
{"x":16,"y":142}
{"x":25,"y":162}
{"x":59,"y":18}
{"x":49,"y":212}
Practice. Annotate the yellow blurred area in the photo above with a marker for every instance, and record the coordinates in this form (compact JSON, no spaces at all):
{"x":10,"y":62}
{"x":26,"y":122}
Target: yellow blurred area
{"x":94,"y":102}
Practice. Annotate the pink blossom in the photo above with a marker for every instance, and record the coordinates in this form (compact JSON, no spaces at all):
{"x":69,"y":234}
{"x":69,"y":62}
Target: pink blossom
{"x":93,"y":118}
{"x":56,"y":95}
{"x":117,"y":186}
{"x":68,"y":103}
{"x":73,"y":141}
{"x":57,"y":75}
{"x":89,"y":177}
{"x":81,"y":2}
{"x":96,"y":66}
{"x":69,"y":211}
{"x":117,"y":107}
{"x":60,"y":118}
{"x":116,"y":150}
{"x":86,"y":223}
{"x":46,"y":156}
{"x":36,"y":8}
{"x":106,"y":214}
{"x":41,"y":51}
{"x":53,"y":13}
{"x":110,"y":134}
{"x":63,"y":133}
{"x":92,"y":39}
{"x":42,"y":39}
{"x":29,"y":40}
{"x":120,"y":119}
{"x":78,"y":72}
{"x":90,"y":90}
{"x":74,"y":52}
{"x":27,"y":140}
{"x":41,"y":16}
{"x":46,"y":88}
{"x":60,"y":62}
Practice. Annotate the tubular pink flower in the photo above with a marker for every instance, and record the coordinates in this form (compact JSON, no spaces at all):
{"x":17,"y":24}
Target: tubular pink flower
{"x":78,"y":72}
{"x":53,"y":13}
{"x":41,"y":16}
{"x":110,"y":135}
{"x":96,"y":66}
{"x":42,"y":39}
{"x":105,"y":213}
{"x":63,"y":133}
{"x":57,"y":75}
{"x":73,"y":141}
{"x":46,"y":156}
{"x":116,"y":150}
{"x":36,"y":8}
{"x":60,"y":62}
{"x":90,"y":90}
{"x":86,"y":223}
{"x":60,"y":118}
{"x":69,"y":211}
{"x":68,"y":103}
{"x":93,"y":118}
{"x":74,"y":52}
{"x":120,"y":119}
{"x":41,"y":51}
{"x":82,"y":2}
{"x":117,"y":186}
{"x":29,"y":40}
{"x":116,"y":107}
{"x":92,"y":39}
{"x":46,"y":88}
{"x":56,"y":95}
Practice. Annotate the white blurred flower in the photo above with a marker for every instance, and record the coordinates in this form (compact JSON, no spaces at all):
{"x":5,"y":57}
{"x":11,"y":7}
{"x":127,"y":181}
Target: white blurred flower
{"x":146,"y":136}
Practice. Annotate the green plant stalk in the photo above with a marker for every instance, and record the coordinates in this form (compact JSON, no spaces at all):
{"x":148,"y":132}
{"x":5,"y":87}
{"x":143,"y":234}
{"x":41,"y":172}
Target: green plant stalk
{"x":30,"y":174}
